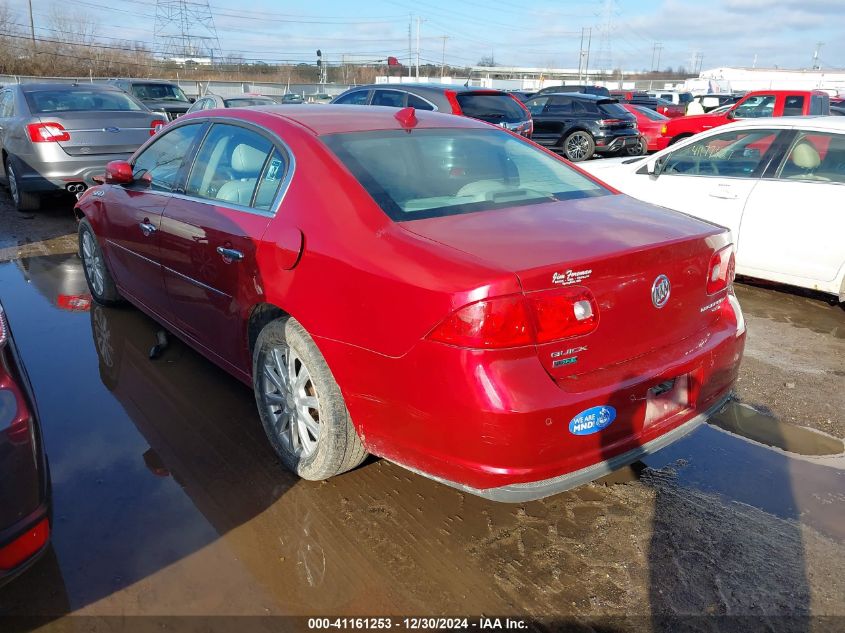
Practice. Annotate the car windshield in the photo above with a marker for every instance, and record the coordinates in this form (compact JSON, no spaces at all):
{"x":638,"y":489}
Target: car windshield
{"x":76,"y":100}
{"x":243,"y":102}
{"x":159,"y":92}
{"x":434,"y":173}
{"x":493,"y":108}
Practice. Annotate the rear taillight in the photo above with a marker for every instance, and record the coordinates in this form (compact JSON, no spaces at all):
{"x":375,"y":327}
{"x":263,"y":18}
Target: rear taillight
{"x":452,"y":98}
{"x":47,"y":133}
{"x":608,"y":122}
{"x":720,"y":273}
{"x":500,"y":322}
{"x":517,"y":320}
{"x":25,"y":546}
{"x":156,"y":126}
{"x":564,"y":313}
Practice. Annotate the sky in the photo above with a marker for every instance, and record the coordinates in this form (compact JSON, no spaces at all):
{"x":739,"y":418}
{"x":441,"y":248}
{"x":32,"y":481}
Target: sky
{"x":540,"y":33}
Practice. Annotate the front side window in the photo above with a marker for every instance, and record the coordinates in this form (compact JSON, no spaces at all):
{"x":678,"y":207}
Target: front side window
{"x":356,"y":97}
{"x":758,"y":106}
{"x":560,"y":105}
{"x":730,"y":154}
{"x":817,"y":157}
{"x":535,"y":106}
{"x":229,"y":164}
{"x":438,"y":172}
{"x":161,"y":161}
{"x":78,"y":100}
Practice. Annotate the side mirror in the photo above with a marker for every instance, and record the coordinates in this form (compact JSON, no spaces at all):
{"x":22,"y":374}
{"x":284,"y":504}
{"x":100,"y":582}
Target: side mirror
{"x":192,"y":100}
{"x":119,"y":172}
{"x":730,"y":115}
{"x":656,"y":167}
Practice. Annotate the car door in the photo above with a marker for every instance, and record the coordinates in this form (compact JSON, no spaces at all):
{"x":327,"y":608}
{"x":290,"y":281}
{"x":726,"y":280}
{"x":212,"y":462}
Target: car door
{"x":389,"y":98}
{"x":209,"y":234}
{"x":552,"y":115}
{"x":793,"y":223}
{"x":134,"y":217}
{"x":710,"y":178}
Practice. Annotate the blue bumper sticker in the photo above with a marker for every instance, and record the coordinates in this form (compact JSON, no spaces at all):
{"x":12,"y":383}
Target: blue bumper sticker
{"x":592,"y":420}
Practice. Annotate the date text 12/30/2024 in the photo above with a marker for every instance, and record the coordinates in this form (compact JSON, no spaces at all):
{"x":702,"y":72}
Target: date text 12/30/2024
{"x":419,"y":624}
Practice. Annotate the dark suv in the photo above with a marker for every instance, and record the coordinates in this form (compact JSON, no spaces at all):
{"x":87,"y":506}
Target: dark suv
{"x":579,"y":125}
{"x":599,"y":91}
{"x":159,"y":96}
{"x":492,"y":106}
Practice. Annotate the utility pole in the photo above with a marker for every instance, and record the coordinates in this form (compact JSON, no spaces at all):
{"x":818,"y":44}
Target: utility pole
{"x":410,"y":51}
{"x":443,"y":60}
{"x":587,"y":62}
{"x":31,"y":26}
{"x":419,"y":22}
{"x":659,"y":53}
{"x":816,"y":65}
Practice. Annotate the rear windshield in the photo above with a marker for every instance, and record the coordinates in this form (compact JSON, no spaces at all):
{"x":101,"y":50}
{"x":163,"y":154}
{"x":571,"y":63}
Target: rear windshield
{"x":248,"y":101}
{"x":613,"y":109}
{"x":158,"y":92}
{"x":434,"y":173}
{"x":76,"y":100}
{"x":495,"y":108}
{"x":651,"y":114}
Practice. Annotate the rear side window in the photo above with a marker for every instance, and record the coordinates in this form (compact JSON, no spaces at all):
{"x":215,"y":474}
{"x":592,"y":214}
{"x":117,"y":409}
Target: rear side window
{"x":76,"y":100}
{"x":244,"y":102}
{"x":493,"y":108}
{"x":229,"y":164}
{"x":815,"y":157}
{"x":420,"y":104}
{"x":819,"y":105}
{"x":356,"y":97}
{"x":7,"y":104}
{"x":613,"y":110}
{"x":162,"y":160}
{"x":793,"y":105}
{"x":559,"y":105}
{"x":685,"y":98}
{"x":389,"y":98}
{"x":438,"y":172}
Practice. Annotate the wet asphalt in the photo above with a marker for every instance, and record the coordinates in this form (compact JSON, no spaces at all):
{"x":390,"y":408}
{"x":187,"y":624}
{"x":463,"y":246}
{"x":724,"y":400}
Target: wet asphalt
{"x":169,"y":501}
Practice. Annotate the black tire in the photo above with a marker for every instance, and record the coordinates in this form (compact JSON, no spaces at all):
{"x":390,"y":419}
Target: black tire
{"x":640,"y":149}
{"x":336,"y":447}
{"x":23,"y":200}
{"x":679,"y":138}
{"x":578,"y":146}
{"x":100,"y":282}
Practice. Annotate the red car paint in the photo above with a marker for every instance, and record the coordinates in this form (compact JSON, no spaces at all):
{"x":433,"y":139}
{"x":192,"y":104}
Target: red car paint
{"x":814,"y":102}
{"x":649,"y":126}
{"x":372,"y":293}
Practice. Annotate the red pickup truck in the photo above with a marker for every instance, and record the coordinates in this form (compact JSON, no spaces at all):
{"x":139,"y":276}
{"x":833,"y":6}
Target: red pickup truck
{"x":761,"y":103}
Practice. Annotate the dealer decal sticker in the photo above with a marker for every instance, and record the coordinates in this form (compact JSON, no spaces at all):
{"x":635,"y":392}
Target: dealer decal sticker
{"x":592,"y":420}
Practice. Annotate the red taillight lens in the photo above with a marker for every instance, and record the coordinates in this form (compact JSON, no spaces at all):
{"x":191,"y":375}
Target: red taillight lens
{"x":564,"y":313}
{"x":25,"y":546}
{"x":156,"y":126}
{"x":606,"y":122}
{"x":47,"y":133}
{"x":720,"y":273}
{"x":500,"y":322}
{"x":516,"y":320}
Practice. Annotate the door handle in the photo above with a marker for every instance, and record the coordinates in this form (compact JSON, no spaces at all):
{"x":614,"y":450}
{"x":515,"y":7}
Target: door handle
{"x":146,"y":228}
{"x":230,"y":254}
{"x":723,"y":194}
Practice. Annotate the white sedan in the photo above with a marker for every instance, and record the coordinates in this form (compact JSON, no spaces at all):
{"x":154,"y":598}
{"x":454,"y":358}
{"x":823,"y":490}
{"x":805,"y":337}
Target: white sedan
{"x":778,"y":184}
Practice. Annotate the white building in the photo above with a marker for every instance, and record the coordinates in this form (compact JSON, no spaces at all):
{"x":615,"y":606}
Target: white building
{"x":746,"y":79}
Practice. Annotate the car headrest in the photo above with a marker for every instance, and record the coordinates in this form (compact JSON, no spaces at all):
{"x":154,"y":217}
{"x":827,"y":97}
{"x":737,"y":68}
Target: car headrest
{"x":246,"y":158}
{"x":805,"y":156}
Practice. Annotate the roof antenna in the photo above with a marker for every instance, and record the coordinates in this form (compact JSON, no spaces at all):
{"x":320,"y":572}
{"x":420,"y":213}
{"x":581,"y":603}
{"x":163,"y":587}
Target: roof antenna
{"x":466,"y":83}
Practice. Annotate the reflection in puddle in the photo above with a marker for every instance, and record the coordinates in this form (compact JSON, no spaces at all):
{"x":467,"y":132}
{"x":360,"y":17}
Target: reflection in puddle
{"x":747,"y":422}
{"x":788,"y":306}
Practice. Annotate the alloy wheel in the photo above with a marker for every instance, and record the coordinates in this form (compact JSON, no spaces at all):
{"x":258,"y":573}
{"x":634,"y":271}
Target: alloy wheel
{"x":291,"y":400}
{"x":577,"y":146}
{"x":93,"y":263}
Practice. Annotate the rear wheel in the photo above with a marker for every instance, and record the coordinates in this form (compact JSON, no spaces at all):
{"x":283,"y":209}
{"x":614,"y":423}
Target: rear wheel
{"x":100,"y":281}
{"x":679,"y":138}
{"x":578,"y":146}
{"x":300,"y":404}
{"x":636,"y":150}
{"x":24,"y":200}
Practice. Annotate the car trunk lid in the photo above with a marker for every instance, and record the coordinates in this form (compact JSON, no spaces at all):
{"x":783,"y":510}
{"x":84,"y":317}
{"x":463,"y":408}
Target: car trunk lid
{"x":612,"y":245}
{"x":97,"y":132}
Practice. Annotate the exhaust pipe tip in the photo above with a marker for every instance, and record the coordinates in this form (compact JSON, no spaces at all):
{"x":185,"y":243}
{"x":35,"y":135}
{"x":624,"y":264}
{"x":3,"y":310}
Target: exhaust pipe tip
{"x":75,"y":187}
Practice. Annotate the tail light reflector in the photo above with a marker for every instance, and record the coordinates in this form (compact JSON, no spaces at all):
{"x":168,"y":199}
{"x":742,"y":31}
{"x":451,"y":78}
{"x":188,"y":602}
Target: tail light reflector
{"x":720,"y":273}
{"x":156,"y":126}
{"x":47,"y":133}
{"x":517,"y":320}
{"x":25,"y":546}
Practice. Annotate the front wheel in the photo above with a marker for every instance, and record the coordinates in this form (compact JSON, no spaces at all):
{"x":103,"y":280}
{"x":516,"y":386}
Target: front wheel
{"x":97,"y":274}
{"x":578,"y":146}
{"x":300,"y":404}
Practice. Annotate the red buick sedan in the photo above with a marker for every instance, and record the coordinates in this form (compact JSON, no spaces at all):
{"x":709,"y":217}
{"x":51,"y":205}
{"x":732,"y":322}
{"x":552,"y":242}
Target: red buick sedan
{"x":423,"y":287}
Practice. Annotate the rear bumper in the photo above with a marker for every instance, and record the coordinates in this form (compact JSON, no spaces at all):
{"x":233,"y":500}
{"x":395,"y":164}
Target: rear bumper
{"x":53,"y":175}
{"x":610,"y":144}
{"x":496,"y":424}
{"x":658,"y":143}
{"x":22,"y":531}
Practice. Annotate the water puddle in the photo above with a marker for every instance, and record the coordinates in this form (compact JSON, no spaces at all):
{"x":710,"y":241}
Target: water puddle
{"x":747,"y":422}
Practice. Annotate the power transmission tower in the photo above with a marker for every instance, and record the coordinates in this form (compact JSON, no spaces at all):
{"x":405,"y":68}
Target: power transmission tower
{"x":185,"y":29}
{"x":607,"y":16}
{"x":656,"y":51}
{"x":816,"y":65}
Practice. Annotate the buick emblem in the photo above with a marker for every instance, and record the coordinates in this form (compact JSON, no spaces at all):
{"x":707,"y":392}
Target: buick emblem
{"x":660,"y":290}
